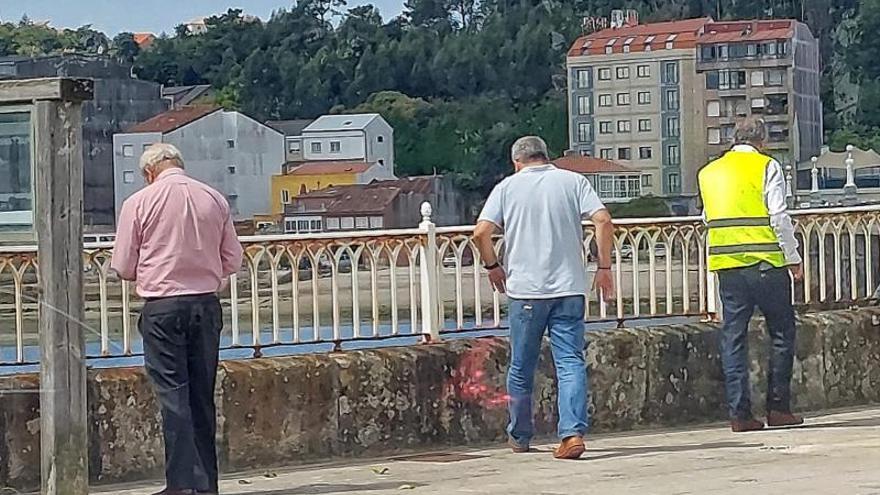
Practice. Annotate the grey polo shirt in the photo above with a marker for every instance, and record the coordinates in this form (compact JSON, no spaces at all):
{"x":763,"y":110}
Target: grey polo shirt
{"x":540,"y":210}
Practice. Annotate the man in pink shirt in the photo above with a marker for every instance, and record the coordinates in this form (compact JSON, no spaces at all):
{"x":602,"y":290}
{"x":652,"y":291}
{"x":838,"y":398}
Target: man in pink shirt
{"x":176,"y":239}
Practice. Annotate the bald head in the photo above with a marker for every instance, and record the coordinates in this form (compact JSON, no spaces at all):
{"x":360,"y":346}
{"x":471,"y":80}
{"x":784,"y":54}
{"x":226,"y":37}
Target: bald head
{"x":750,"y":130}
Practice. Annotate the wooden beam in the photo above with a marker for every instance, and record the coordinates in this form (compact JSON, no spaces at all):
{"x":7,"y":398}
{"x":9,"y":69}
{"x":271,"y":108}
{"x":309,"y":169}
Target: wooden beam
{"x":55,"y":88}
{"x":58,"y":164}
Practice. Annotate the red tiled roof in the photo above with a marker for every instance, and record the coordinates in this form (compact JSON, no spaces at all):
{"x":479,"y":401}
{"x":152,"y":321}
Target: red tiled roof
{"x":724,"y":32}
{"x":331,"y":167}
{"x":363,"y":200}
{"x":686,"y":32}
{"x":144,"y":40}
{"x":174,"y":119}
{"x":590,"y":165}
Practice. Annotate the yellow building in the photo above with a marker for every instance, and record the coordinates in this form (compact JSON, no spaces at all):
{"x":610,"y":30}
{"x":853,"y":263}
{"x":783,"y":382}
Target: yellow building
{"x":313,"y":176}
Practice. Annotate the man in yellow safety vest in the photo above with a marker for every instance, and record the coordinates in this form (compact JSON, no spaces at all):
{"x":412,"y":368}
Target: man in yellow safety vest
{"x":752,"y":249}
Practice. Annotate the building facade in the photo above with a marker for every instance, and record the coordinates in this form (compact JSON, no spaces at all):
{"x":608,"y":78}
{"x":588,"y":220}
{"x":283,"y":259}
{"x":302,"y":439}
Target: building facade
{"x":363,"y":137}
{"x":663,"y":98}
{"x":119,"y":102}
{"x":306,"y":177}
{"x":613,"y":182}
{"x":229,"y":151}
{"x":293,"y":140}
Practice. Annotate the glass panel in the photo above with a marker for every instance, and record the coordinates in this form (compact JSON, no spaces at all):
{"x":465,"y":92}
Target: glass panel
{"x":16,"y":172}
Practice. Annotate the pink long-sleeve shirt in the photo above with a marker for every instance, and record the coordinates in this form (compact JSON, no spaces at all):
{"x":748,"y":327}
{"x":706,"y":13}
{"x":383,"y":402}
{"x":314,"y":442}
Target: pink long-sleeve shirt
{"x":175,"y":237}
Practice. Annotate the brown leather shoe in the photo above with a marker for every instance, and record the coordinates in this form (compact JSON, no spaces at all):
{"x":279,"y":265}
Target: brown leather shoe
{"x":779,"y":418}
{"x":570,"y":448}
{"x":517,"y":447}
{"x":744,"y":425}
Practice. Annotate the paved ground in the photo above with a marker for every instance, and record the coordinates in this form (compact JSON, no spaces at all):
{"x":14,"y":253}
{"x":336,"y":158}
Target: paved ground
{"x":831,"y":455}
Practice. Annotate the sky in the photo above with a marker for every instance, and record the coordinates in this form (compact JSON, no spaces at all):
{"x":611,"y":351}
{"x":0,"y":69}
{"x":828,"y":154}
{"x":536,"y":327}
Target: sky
{"x":156,"y":16}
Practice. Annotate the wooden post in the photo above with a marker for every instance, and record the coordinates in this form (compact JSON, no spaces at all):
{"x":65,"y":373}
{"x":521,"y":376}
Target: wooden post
{"x":56,"y":106}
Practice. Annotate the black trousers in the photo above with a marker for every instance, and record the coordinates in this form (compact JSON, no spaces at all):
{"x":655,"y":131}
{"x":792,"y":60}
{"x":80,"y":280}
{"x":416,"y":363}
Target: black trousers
{"x":769,"y":289}
{"x":181,"y":346}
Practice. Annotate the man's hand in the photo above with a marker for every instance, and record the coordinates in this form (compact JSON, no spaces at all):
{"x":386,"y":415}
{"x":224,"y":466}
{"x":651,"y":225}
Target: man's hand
{"x":498,"y":279}
{"x":603,"y":283}
{"x":797,"y":272}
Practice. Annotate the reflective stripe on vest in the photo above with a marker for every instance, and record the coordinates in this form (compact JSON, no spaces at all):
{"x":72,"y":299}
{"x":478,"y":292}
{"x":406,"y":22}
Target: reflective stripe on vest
{"x":740,"y":234}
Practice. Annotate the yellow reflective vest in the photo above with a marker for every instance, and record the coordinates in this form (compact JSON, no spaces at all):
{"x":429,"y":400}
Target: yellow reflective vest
{"x":740,"y":235}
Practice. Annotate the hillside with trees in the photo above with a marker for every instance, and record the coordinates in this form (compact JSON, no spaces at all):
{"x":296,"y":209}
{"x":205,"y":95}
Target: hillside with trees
{"x":458,"y":79}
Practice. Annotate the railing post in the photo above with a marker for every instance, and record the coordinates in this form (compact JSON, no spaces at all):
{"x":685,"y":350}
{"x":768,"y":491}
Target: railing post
{"x":429,"y":270}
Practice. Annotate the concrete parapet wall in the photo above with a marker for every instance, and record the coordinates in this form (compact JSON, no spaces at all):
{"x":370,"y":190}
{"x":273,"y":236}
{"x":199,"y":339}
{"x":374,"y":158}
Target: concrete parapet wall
{"x":277,"y":411}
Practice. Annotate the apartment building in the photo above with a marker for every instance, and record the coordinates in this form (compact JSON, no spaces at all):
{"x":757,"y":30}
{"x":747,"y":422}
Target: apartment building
{"x":663,"y":98}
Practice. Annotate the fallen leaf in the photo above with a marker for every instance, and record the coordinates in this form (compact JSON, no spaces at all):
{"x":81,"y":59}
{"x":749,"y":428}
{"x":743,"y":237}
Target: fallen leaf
{"x":245,"y":482}
{"x":380,"y":469}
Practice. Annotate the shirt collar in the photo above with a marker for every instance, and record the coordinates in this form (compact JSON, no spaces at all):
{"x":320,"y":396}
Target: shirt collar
{"x":747,"y":148}
{"x":538,"y":168}
{"x":169,"y":172}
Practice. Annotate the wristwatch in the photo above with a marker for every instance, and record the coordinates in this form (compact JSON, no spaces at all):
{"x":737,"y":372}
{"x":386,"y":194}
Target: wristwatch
{"x":492,"y":266}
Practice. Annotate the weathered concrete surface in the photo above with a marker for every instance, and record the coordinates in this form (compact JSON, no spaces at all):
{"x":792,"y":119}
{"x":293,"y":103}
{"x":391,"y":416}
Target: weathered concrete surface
{"x":834,"y":454}
{"x":279,"y":411}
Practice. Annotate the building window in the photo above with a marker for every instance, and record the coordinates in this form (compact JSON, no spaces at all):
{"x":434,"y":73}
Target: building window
{"x":624,"y":126}
{"x":289,"y":226}
{"x":583,"y":78}
{"x":146,"y":146}
{"x":381,"y":162}
{"x":714,"y":135}
{"x":361,"y":222}
{"x":294,"y":146}
{"x":777,"y":133}
{"x":585,"y":132}
{"x":647,"y":180}
{"x":757,"y":78}
{"x":727,"y":132}
{"x":606,"y":185}
{"x":231,"y":169}
{"x":672,"y":127}
{"x":585,"y":152}
{"x":380,"y":139}
{"x":669,"y":41}
{"x":127,"y":150}
{"x":377,"y":222}
{"x":623,"y":72}
{"x":623,"y":98}
{"x":605,"y":153}
{"x":670,"y":72}
{"x":713,"y":108}
{"x":285,"y":197}
{"x":605,"y":100}
{"x":731,"y":79}
{"x":674,"y":183}
{"x":758,"y":105}
{"x":230,"y":143}
{"x":584,"y":105}
{"x":128,"y":177}
{"x":672,"y":99}
{"x":624,"y":154}
{"x":644,"y":97}
{"x":605,"y":127}
{"x":673,"y":154}
{"x":335,"y":146}
{"x":712,"y":79}
{"x":775,"y":77}
{"x":346,"y":223}
{"x":605,"y":74}
{"x":332,"y":223}
{"x":643,"y":71}
{"x":644,"y":125}
{"x":316,"y":147}
{"x":645,"y":152}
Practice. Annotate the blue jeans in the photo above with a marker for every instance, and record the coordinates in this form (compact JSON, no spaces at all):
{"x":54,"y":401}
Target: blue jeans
{"x":529,"y":319}
{"x":742,"y":289}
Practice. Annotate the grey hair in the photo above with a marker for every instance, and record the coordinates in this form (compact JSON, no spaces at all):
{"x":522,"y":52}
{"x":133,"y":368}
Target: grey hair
{"x":529,"y":148}
{"x":750,"y":130}
{"x":160,"y":152}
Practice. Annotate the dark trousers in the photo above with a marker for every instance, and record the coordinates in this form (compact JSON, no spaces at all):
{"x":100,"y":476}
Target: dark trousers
{"x":742,"y":289}
{"x":181,"y":346}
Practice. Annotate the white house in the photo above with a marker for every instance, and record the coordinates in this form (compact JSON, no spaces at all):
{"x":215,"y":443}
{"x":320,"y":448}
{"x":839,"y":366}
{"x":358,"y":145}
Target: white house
{"x":231,"y":152}
{"x":365,"y":137}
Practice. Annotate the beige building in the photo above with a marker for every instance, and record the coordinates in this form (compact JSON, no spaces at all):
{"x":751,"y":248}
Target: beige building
{"x":648,"y":96}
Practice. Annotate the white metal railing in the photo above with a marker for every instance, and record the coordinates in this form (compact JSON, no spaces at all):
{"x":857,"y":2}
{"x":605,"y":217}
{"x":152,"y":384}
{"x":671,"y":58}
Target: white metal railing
{"x":420,"y":283}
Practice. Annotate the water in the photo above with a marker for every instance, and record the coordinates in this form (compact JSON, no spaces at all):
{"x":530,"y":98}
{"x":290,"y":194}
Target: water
{"x":308,"y":346}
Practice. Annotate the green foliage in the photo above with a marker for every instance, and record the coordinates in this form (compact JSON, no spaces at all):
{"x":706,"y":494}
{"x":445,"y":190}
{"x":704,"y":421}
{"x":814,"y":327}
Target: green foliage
{"x":645,"y":207}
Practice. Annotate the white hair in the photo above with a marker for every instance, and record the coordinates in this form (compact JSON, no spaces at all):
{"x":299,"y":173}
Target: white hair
{"x":160,"y":152}
{"x":529,"y":148}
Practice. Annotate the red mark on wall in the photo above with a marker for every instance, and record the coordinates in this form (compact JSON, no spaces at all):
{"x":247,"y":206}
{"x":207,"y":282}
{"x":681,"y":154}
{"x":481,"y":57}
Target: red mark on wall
{"x":470,"y":383}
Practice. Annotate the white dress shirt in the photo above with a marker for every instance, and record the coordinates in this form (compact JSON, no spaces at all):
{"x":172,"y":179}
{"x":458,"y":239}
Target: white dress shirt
{"x":774,"y":199}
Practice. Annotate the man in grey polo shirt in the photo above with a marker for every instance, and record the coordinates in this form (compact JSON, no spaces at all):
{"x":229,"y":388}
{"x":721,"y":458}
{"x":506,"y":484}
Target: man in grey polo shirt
{"x":540,"y":209}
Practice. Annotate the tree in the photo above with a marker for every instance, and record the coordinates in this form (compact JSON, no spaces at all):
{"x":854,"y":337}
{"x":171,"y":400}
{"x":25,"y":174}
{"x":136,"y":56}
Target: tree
{"x":125,"y":48}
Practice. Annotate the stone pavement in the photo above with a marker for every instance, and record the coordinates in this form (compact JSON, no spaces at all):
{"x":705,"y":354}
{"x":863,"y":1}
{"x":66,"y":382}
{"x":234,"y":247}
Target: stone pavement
{"x":832,"y":454}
